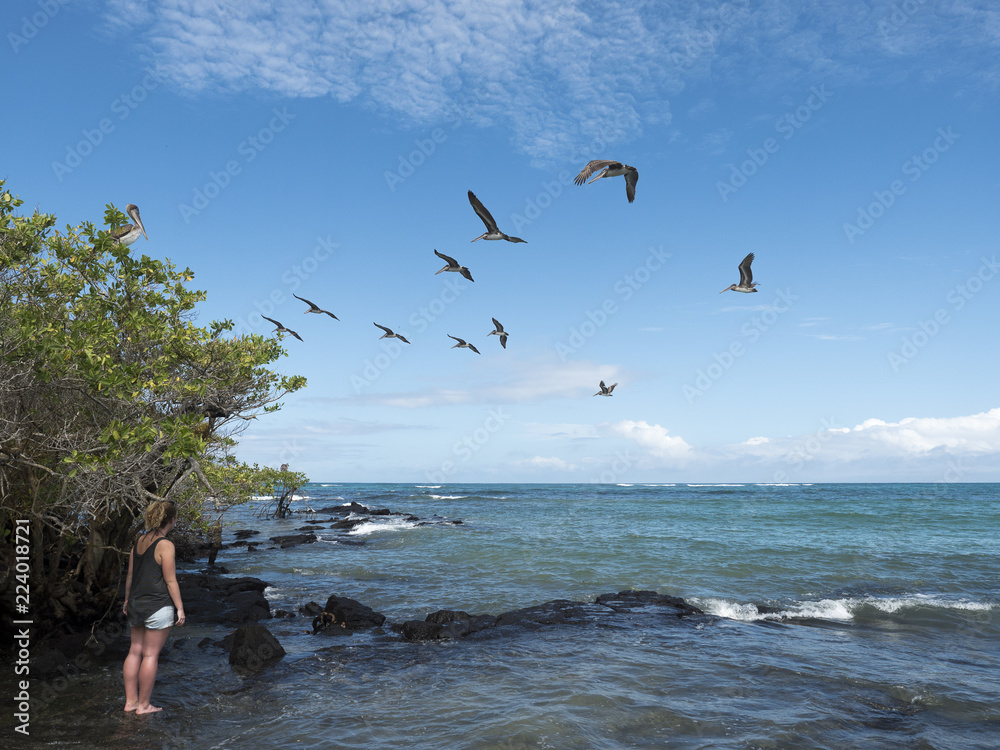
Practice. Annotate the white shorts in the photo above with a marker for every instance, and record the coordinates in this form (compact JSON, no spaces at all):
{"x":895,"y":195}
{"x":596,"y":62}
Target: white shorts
{"x":161,"y":618}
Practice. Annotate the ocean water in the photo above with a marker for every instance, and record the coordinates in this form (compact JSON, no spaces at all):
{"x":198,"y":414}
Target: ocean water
{"x":839,"y":616}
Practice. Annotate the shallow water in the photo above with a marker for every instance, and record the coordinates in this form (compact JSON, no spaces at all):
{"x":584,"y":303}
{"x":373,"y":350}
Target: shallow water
{"x":842,"y":616}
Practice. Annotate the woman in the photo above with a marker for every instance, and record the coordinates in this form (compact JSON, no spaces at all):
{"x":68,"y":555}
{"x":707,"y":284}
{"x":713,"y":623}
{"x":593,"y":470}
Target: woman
{"x":151,"y":595}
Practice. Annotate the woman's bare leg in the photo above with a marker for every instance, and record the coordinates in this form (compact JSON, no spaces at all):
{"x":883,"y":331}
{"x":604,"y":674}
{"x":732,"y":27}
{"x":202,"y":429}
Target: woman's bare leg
{"x":130,"y":671}
{"x":152,"y":644}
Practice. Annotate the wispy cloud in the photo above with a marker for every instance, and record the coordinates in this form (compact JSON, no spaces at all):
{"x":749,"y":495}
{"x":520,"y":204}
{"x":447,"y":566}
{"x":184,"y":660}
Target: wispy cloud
{"x":556,"y":75}
{"x":504,"y":381}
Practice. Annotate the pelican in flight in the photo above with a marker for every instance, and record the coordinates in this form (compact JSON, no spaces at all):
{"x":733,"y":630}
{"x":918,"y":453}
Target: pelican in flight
{"x":611,"y":169}
{"x":747,"y":283}
{"x":499,"y":332}
{"x":453,"y":266}
{"x":314,"y":308}
{"x":281,"y":329}
{"x":390,"y":334}
{"x":462,"y":344}
{"x":606,"y":389}
{"x":492,"y":233}
{"x":129,"y":233}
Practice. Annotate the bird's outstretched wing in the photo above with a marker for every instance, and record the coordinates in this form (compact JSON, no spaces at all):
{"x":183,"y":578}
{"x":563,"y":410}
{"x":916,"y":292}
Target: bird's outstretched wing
{"x":746,"y":275}
{"x":483,"y":214}
{"x":591,"y":167}
{"x":631,"y":178}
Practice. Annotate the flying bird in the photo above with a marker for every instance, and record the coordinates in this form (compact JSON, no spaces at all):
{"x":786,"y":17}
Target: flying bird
{"x":314,"y":308}
{"x":492,"y":233}
{"x":129,"y":233}
{"x":611,"y":169}
{"x":453,"y":266}
{"x":606,"y":389}
{"x":390,"y":334}
{"x":281,"y":329}
{"x":499,"y":332}
{"x":747,"y":283}
{"x":462,"y":344}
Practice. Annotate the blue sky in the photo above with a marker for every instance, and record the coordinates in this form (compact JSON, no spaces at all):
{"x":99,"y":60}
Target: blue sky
{"x":325,"y":149}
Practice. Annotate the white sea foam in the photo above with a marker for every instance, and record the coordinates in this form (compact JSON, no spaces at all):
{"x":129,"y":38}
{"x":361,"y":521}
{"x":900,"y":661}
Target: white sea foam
{"x":448,"y":497}
{"x":428,"y":486}
{"x":716,"y":485}
{"x":374,"y":526}
{"x":621,"y":484}
{"x":833,"y":609}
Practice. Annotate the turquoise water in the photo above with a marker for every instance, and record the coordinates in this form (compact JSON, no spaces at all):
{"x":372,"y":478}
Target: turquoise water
{"x":847,"y":616}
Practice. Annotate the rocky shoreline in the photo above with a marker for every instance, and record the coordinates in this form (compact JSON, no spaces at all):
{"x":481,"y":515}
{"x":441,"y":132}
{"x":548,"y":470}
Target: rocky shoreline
{"x":237,"y":605}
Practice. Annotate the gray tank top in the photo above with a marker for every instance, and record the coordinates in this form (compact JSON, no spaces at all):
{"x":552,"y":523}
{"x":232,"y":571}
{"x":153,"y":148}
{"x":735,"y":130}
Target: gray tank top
{"x":149,"y":591}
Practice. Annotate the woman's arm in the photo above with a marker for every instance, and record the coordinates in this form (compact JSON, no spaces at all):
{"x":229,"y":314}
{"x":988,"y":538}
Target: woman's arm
{"x":128,"y":582}
{"x":165,"y":550}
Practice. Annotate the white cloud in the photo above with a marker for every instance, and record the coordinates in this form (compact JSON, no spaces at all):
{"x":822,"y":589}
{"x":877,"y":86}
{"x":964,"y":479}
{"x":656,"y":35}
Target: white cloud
{"x":546,"y":463}
{"x":506,"y":381}
{"x":977,"y":433}
{"x":654,"y":438}
{"x":557,"y":75}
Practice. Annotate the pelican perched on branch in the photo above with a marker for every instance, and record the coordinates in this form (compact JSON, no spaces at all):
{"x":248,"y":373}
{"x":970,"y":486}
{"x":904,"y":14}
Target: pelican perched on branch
{"x":129,"y":233}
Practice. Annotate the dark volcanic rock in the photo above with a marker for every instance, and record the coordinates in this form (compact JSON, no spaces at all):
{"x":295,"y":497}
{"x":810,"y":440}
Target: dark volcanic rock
{"x":344,"y":510}
{"x":310,"y":609}
{"x":626,"y":601}
{"x":254,"y":647}
{"x":354,"y":615}
{"x":212,"y":599}
{"x":245,"y":533}
{"x":347,"y":524}
{"x":292,"y":539}
{"x":556,"y":612}
{"x":446,"y":623}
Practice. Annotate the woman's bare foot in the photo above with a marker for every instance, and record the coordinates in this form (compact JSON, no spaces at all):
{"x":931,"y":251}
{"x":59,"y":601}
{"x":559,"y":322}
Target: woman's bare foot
{"x":150,"y":709}
{"x":131,"y":706}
